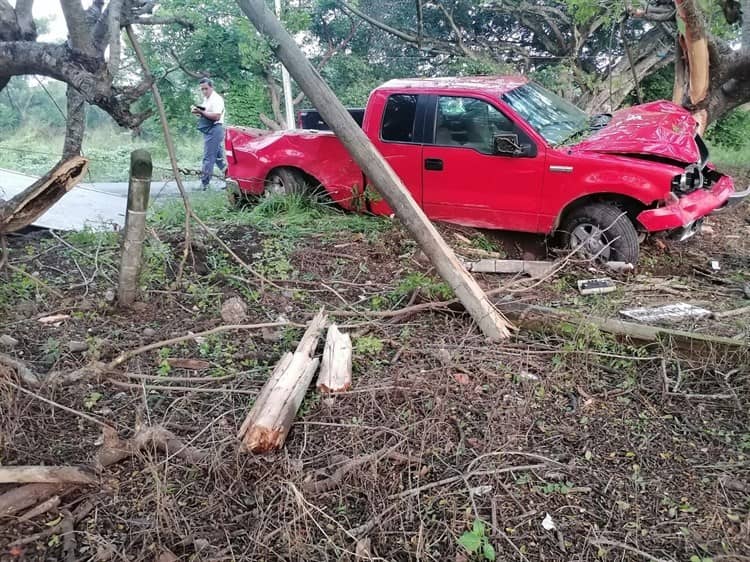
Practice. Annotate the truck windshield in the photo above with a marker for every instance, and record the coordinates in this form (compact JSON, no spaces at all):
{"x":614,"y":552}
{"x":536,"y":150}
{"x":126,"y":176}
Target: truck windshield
{"x":551,"y":116}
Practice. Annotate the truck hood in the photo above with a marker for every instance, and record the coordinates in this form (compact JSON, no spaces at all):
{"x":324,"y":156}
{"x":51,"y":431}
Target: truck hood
{"x":659,"y":128}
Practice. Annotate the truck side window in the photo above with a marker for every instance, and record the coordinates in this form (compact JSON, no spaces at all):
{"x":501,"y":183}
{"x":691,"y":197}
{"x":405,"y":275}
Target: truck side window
{"x":398,"y":118}
{"x":470,"y":123}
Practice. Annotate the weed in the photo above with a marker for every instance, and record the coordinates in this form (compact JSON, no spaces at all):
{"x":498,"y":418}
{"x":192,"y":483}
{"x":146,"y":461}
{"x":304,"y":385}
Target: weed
{"x":368,"y":345}
{"x":477,"y":542}
{"x":481,"y":242}
{"x":429,"y":287}
{"x":156,"y":262}
{"x":51,"y":351}
{"x":309,"y":404}
{"x":90,"y":401}
{"x":18,"y":286}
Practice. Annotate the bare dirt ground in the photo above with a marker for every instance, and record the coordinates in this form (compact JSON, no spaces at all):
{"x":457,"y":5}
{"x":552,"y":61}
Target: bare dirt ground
{"x":628,"y":452}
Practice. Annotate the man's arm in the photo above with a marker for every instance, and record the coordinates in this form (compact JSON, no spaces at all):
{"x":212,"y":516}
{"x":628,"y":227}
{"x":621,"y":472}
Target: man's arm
{"x":209,"y":115}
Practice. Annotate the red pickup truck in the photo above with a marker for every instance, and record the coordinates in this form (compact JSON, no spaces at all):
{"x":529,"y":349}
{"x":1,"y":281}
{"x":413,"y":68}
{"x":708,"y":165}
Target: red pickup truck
{"x":504,"y":153}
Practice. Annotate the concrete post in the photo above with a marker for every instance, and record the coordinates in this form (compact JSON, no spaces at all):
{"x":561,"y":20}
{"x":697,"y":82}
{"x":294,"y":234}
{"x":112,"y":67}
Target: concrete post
{"x":135,"y":226}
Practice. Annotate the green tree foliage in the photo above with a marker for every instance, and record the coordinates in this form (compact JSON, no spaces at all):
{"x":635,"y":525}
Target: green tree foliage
{"x":732,"y":130}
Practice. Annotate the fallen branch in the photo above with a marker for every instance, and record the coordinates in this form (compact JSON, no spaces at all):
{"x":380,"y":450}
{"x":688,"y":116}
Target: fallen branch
{"x":25,"y":374}
{"x":465,"y":477}
{"x":166,"y":388}
{"x":41,"y":509}
{"x":327,"y":484}
{"x":127,"y":355}
{"x":267,"y":424}
{"x":627,"y":547}
{"x":731,"y":313}
{"x":539,"y":318}
{"x":560,"y":321}
{"x":23,"y":209}
{"x":115,"y":449}
{"x":24,"y":497}
{"x":46,"y":475}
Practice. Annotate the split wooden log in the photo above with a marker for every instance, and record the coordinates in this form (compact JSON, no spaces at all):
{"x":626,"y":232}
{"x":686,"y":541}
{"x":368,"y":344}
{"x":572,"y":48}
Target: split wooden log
{"x":534,"y":269}
{"x":336,"y":367}
{"x":23,"y":209}
{"x":46,"y":475}
{"x":266,"y":426}
{"x":489,"y":320}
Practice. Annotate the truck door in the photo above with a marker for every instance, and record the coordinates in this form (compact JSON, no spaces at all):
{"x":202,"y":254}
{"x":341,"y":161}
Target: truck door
{"x":466,"y":180}
{"x":398,"y":137}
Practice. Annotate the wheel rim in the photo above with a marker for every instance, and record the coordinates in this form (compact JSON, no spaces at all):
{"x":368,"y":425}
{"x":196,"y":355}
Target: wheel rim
{"x":276,"y":185}
{"x":591,"y":241}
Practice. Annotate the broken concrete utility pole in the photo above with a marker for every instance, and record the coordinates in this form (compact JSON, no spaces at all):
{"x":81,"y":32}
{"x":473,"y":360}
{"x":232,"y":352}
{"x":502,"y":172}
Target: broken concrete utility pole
{"x":135,"y":226}
{"x":492,"y":323}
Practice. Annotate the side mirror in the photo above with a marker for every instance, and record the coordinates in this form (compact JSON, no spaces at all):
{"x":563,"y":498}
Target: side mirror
{"x":507,"y":144}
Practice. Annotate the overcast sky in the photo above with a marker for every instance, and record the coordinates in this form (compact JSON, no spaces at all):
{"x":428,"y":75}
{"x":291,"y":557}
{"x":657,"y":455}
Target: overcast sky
{"x":51,"y":9}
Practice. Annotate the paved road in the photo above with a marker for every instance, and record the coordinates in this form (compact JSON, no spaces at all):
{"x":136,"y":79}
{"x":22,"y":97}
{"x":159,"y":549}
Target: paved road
{"x":98,"y":205}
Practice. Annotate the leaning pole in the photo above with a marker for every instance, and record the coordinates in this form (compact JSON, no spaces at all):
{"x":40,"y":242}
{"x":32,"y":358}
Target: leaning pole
{"x":491,"y":322}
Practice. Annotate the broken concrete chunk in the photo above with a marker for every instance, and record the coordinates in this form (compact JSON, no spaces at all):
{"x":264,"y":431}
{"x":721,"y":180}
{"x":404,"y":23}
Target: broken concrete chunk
{"x":533,"y":269}
{"x":8,"y":342}
{"x":666,"y":313}
{"x":77,"y":346}
{"x":619,"y":266}
{"x":234,"y":311}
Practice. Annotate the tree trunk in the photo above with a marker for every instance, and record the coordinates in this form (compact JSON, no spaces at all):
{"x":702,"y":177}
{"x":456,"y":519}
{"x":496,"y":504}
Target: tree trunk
{"x":75,"y":124}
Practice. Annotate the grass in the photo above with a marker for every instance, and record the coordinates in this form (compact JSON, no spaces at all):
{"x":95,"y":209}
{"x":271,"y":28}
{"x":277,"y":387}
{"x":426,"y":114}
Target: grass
{"x":736,"y":157}
{"x":34,"y":151}
{"x":286,"y":217}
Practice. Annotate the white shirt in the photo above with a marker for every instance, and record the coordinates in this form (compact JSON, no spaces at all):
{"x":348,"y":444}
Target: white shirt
{"x":215,"y":104}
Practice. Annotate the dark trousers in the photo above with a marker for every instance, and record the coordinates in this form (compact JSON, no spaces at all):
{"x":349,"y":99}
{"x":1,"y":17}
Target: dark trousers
{"x":213,"y":152}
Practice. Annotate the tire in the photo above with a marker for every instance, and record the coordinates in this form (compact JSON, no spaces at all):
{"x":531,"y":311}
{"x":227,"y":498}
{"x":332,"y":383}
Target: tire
{"x":602,"y":232}
{"x":235,"y":197}
{"x":286,"y":181}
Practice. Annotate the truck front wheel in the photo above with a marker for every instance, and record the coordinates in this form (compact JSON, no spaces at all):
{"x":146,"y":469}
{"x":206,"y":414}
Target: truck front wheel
{"x":601,"y":232}
{"x":286,"y":181}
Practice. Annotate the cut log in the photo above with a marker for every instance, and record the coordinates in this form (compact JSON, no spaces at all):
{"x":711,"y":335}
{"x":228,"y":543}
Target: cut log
{"x":531,"y":268}
{"x":31,"y":203}
{"x":336,"y":367}
{"x":46,"y":475}
{"x":490,"y":321}
{"x":266,"y":426}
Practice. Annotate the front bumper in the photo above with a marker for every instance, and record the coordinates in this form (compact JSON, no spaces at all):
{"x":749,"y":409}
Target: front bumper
{"x":692,"y":207}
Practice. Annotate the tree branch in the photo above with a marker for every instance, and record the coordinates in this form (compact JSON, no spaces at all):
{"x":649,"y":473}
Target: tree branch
{"x":86,"y":74}
{"x":164,"y":20}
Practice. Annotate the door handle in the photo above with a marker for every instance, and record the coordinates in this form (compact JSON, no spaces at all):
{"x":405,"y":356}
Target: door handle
{"x":433,"y":164}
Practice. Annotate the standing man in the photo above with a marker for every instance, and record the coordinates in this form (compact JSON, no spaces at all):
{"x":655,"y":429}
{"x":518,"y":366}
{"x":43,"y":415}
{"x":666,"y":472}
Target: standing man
{"x":211,"y":124}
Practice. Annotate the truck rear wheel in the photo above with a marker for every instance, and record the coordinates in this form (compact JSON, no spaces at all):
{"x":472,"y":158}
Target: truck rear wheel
{"x":286,"y":181}
{"x":602,"y":232}
{"x":235,"y":196}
